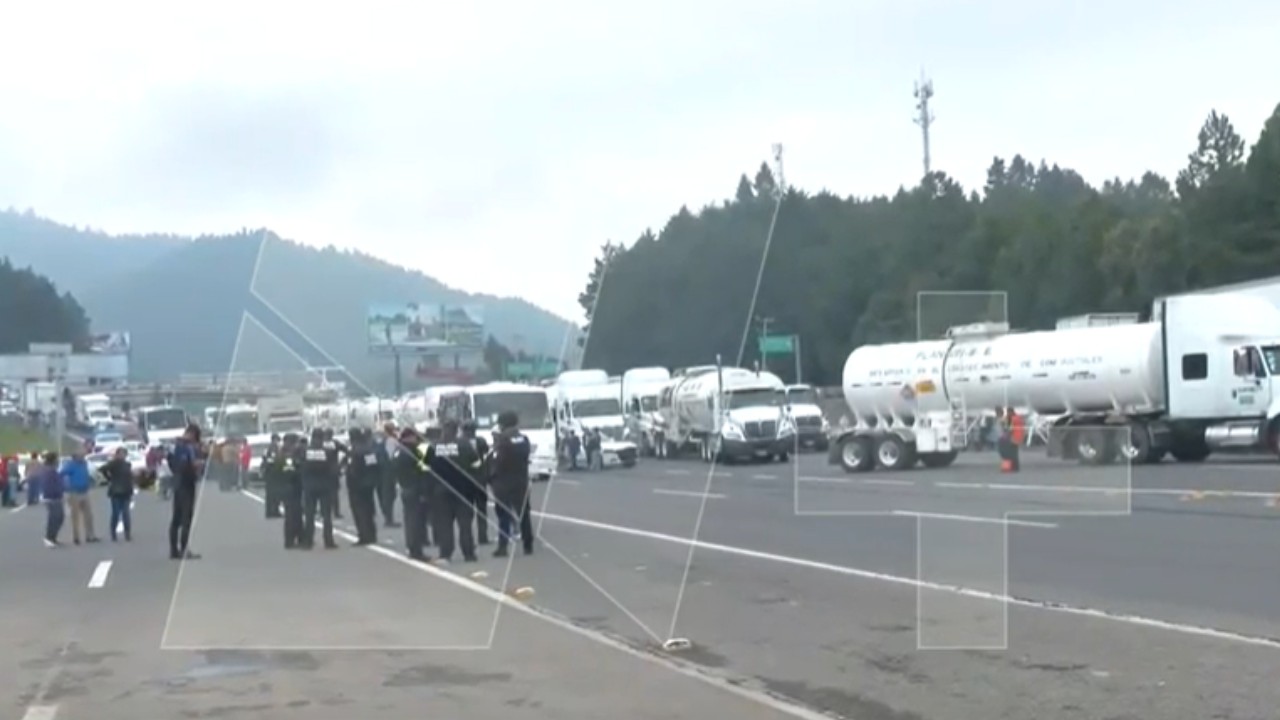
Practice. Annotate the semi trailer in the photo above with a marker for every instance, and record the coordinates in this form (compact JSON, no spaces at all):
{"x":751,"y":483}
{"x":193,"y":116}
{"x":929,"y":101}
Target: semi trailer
{"x":1203,"y":375}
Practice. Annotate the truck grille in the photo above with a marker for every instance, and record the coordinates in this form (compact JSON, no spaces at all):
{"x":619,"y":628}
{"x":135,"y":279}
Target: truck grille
{"x":758,"y":430}
{"x":807,"y":423}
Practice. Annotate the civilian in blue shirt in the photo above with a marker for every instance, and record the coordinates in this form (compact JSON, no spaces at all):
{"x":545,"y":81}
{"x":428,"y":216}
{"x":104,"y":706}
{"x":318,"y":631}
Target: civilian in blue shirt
{"x":187,"y":465}
{"x":51,"y":490}
{"x":79,"y":481}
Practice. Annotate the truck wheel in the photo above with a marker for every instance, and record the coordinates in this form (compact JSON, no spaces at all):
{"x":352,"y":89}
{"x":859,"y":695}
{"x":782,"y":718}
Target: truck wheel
{"x":1137,"y":448}
{"x":1191,"y":451}
{"x":893,"y":453}
{"x":1094,"y":446}
{"x":856,"y":454}
{"x":939,"y":460}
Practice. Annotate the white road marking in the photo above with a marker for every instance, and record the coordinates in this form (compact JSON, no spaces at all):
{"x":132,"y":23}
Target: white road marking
{"x":100,"y":573}
{"x":688,"y":493}
{"x":824,"y":479}
{"x":1108,"y":491}
{"x":764,"y":477}
{"x":1044,"y":605}
{"x":975,"y":518}
{"x":20,"y":508}
{"x":40,"y":712}
{"x":695,"y":672}
{"x":885,"y":481}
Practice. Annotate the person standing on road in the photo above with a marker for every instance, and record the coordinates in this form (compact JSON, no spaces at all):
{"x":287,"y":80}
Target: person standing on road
{"x":119,"y":475}
{"x":79,"y":481}
{"x":317,"y":489}
{"x":292,"y":452}
{"x":511,"y":483}
{"x":34,"y":472}
{"x":186,"y":464}
{"x":479,"y":473}
{"x":387,"y":449}
{"x":415,"y":488}
{"x":452,"y":495}
{"x":364,"y":475}
{"x":52,"y":490}
{"x":339,"y":460}
{"x":272,"y":462}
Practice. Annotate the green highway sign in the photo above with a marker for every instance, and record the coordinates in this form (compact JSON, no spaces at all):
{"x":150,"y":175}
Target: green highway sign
{"x":777,"y":344}
{"x":546,"y":368}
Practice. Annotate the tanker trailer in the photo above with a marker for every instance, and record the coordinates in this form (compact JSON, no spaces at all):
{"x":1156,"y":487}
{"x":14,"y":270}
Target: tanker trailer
{"x":1204,"y":376}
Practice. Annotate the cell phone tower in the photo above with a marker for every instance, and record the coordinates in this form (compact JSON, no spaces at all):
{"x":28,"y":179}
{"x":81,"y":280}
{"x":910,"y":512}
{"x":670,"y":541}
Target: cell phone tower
{"x":924,"y":118}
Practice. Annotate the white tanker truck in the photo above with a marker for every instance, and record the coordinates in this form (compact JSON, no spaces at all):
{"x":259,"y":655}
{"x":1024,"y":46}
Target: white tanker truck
{"x":1204,"y":374}
{"x":729,"y":414}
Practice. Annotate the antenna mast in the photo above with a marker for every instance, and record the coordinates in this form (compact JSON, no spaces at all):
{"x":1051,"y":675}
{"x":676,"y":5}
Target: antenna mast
{"x":923,"y":94}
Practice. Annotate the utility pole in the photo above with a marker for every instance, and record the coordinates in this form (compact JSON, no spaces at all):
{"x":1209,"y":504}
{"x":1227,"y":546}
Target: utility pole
{"x":923,"y":94}
{"x":779,"y":181}
{"x":760,"y":340}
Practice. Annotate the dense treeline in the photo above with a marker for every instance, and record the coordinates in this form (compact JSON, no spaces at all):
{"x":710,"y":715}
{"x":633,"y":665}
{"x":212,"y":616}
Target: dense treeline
{"x":846,"y":271}
{"x":32,"y":310}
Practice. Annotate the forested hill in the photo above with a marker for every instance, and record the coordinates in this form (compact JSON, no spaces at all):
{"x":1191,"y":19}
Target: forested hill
{"x":182,"y":298}
{"x":32,"y":310}
{"x":846,"y":271}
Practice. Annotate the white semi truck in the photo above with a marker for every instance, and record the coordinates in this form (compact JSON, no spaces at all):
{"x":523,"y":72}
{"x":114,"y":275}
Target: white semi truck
{"x":1203,"y":375}
{"x":283,"y":414}
{"x":729,"y":414}
{"x":640,"y":388}
{"x":484,"y":403}
{"x":588,"y":400}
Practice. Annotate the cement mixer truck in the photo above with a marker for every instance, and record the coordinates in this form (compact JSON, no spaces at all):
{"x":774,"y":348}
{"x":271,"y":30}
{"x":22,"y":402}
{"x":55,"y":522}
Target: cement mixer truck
{"x":1203,"y":375}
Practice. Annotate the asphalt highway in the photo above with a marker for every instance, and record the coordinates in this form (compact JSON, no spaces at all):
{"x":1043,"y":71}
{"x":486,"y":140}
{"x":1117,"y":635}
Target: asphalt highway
{"x":1128,"y":594}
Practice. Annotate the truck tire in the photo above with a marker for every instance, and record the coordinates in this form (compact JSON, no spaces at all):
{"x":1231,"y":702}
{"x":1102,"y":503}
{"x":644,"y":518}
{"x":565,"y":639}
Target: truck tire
{"x":1139,"y":448}
{"x":1190,"y":452}
{"x":857,"y":454}
{"x":939,"y":460}
{"x":1095,"y":446}
{"x":893,"y":453}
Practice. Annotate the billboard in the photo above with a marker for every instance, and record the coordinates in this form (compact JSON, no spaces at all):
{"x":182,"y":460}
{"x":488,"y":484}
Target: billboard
{"x":112,"y":343}
{"x":424,"y":328}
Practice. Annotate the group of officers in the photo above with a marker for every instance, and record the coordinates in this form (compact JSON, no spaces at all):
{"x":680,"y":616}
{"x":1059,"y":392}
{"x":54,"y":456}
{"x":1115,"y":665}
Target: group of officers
{"x":444,"y":484}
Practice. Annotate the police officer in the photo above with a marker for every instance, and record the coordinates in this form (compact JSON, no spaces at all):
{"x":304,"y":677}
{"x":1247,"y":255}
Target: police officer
{"x":416,"y":482}
{"x":364,"y":475}
{"x":271,"y":477}
{"x":479,"y":473}
{"x":292,"y":457}
{"x":319,"y":464}
{"x":453,"y":496}
{"x":511,"y":483}
{"x":331,"y":444}
{"x":387,"y":447}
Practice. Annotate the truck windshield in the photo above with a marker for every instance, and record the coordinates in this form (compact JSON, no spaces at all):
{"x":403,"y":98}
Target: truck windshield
{"x":166,"y":419}
{"x":596,"y":407}
{"x":530,"y":408}
{"x":240,"y":423}
{"x":1271,"y":354}
{"x":752,"y":398}
{"x":649,"y":403}
{"x":802,"y":396}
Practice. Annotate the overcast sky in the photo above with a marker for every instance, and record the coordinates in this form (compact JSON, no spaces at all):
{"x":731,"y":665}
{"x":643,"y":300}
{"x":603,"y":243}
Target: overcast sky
{"x":521,"y":135}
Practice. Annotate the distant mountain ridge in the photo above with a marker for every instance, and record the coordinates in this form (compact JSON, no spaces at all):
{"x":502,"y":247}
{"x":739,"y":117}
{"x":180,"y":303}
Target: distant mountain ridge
{"x":182,"y":299}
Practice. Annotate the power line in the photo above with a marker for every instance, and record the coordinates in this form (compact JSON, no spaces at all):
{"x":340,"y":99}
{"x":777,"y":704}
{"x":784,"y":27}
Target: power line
{"x":924,"y":118}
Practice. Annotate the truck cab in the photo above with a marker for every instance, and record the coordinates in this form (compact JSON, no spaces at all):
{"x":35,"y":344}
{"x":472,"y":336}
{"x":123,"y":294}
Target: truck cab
{"x":811,"y":427}
{"x":594,"y":407}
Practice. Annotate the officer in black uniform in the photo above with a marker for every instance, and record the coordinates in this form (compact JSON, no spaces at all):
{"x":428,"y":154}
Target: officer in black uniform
{"x":453,"y":495}
{"x":511,"y":483}
{"x":271,"y":478}
{"x":292,"y":456}
{"x":479,"y":473}
{"x":364,"y":475}
{"x":416,"y":481}
{"x":330,"y":443}
{"x":319,"y":464}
